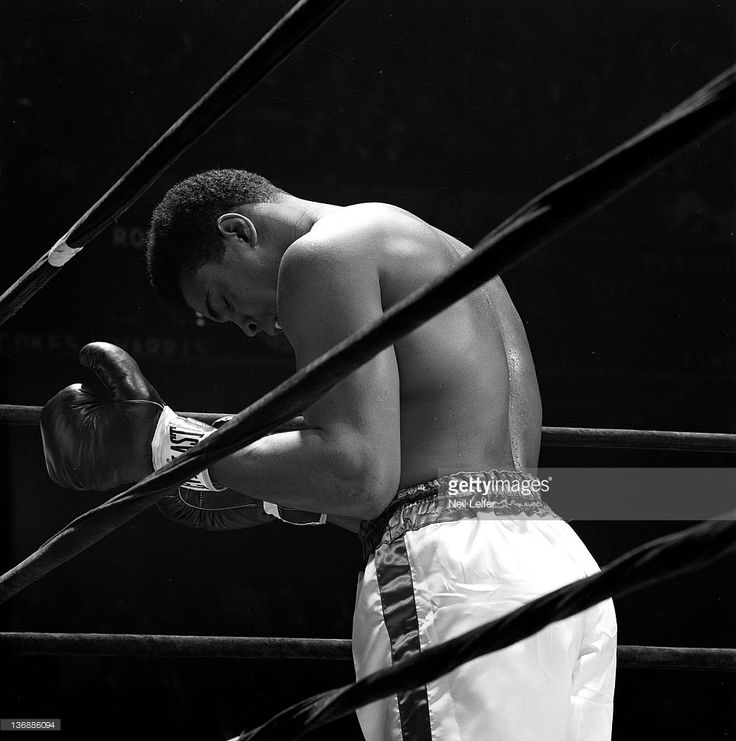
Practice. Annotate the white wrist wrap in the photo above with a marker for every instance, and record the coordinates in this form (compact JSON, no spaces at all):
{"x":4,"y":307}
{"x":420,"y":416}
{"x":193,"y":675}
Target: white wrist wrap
{"x":174,"y":435}
{"x":273,"y":509}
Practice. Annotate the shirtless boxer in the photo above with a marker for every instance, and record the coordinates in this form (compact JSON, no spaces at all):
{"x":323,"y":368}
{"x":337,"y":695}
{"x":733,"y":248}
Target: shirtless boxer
{"x":459,"y":394}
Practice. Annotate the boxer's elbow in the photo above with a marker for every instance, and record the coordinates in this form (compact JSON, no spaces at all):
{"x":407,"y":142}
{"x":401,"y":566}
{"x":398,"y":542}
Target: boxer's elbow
{"x":378,"y":488}
{"x":367,"y":476}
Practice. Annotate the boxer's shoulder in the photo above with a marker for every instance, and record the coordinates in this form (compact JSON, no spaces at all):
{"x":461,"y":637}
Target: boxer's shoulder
{"x":326,"y":255}
{"x":328,"y":286}
{"x":347,"y":239}
{"x":365,"y":237}
{"x":374,"y":222}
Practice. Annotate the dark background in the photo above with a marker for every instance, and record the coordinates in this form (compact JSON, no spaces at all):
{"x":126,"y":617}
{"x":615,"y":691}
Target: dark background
{"x":457,"y":111}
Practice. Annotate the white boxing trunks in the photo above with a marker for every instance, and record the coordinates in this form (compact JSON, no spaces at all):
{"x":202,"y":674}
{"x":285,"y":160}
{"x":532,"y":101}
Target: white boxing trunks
{"x":436,"y":570}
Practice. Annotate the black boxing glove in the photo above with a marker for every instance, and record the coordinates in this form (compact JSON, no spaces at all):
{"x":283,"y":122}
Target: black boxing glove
{"x":101,"y":439}
{"x":213,"y":510}
{"x":229,"y":510}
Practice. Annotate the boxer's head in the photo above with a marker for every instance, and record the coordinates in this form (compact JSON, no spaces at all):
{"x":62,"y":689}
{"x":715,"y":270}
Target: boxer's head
{"x":214,"y":244}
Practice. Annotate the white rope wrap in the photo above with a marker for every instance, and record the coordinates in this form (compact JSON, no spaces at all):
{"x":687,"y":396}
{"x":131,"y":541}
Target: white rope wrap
{"x":61,"y":253}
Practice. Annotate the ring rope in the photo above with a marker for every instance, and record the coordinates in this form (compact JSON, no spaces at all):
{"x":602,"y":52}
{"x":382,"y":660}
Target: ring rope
{"x":323,"y":649}
{"x":664,"y":558}
{"x":173,"y":646}
{"x":567,"y":437}
{"x":304,"y":18}
{"x":544,"y":217}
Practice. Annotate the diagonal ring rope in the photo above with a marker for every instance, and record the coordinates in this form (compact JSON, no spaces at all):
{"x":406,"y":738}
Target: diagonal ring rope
{"x":304,"y":18}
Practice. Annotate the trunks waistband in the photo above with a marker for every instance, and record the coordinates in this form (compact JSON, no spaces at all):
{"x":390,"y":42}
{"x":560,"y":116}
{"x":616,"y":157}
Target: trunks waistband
{"x":459,"y":496}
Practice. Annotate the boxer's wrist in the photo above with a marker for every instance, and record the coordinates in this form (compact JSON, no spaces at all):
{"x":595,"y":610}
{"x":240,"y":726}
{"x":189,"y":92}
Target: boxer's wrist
{"x":173,"y":436}
{"x":218,"y":473}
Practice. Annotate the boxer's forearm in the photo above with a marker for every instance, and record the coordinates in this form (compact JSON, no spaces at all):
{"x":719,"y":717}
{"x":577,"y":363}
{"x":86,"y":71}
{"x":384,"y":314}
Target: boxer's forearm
{"x":305,"y":470}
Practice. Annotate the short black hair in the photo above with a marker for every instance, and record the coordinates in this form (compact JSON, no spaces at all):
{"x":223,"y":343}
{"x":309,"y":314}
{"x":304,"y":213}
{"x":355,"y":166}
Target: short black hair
{"x":183,"y":233}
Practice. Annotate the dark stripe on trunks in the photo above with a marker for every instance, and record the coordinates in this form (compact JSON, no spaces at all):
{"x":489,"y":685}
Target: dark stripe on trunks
{"x":400,"y":616}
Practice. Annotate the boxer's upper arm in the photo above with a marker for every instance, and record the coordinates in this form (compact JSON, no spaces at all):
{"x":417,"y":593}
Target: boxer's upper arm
{"x":327,"y":291}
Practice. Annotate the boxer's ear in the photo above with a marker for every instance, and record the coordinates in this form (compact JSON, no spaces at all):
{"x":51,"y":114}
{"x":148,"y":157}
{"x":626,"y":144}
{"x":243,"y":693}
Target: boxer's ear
{"x":233,"y":223}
